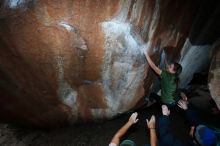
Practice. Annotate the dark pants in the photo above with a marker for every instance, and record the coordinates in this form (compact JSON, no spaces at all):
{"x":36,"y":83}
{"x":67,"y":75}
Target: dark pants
{"x":154,"y":96}
{"x":165,"y":136}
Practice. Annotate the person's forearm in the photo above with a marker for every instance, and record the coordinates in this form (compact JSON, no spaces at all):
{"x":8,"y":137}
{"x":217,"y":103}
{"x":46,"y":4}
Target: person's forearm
{"x":152,"y":64}
{"x":120,"y":133}
{"x":124,"y":129}
{"x":153,"y":137}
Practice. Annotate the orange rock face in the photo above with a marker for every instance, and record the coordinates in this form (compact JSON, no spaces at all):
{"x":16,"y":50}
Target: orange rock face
{"x":72,"y":60}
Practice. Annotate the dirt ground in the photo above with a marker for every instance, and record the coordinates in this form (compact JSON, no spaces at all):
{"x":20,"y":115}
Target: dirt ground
{"x":100,"y":133}
{"x":90,"y":134}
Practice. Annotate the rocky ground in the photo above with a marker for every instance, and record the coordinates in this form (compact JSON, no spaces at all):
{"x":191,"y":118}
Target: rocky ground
{"x":100,"y":134}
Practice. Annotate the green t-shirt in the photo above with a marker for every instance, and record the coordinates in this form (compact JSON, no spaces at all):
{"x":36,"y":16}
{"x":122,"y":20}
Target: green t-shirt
{"x":168,"y":87}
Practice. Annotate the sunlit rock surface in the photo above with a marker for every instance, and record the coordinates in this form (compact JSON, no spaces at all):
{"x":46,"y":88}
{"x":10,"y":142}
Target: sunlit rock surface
{"x":68,"y":61}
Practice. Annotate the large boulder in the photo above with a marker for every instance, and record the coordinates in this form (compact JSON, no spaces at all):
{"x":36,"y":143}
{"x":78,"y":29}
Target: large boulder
{"x":214,"y":74}
{"x":73,"y":60}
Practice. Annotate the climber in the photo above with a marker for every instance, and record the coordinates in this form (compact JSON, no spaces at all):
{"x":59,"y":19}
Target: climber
{"x":133,"y":120}
{"x":169,"y":83}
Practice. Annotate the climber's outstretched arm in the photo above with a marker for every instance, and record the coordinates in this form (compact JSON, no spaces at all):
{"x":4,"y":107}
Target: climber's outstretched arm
{"x":152,"y":65}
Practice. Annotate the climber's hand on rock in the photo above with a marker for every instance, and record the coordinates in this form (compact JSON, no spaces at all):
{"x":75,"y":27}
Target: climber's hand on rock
{"x":146,"y":52}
